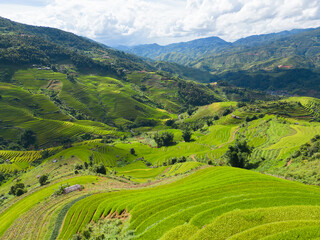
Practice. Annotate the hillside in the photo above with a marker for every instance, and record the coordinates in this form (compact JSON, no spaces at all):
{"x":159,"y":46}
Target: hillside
{"x":200,"y":52}
{"x":25,"y":44}
{"x":100,"y":144}
{"x":208,"y":204}
{"x":287,"y":61}
{"x":54,"y":78}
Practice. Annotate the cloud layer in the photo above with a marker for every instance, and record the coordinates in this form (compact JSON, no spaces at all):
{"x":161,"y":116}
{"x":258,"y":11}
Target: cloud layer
{"x":131,"y":22}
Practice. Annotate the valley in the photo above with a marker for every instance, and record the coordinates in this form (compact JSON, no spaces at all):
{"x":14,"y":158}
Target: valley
{"x":96,"y":143}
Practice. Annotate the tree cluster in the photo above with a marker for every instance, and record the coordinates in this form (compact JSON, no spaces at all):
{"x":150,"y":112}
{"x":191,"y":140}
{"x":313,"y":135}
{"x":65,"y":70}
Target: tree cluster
{"x":18,"y":189}
{"x":163,"y":139}
{"x":238,"y":154}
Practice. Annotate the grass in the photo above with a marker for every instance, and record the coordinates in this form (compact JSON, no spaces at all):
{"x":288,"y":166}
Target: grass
{"x":258,"y":223}
{"x":200,"y":199}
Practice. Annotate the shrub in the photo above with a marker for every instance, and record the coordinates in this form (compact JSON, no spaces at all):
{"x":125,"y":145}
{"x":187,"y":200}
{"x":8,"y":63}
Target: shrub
{"x":86,"y":165}
{"x":170,"y":122}
{"x":43,"y":179}
{"x":186,"y":135}
{"x":182,"y":159}
{"x":19,"y":192}
{"x":78,"y":167}
{"x":60,"y":190}
{"x":226,"y":111}
{"x":132,"y":151}
{"x":100,"y":169}
{"x":209,"y":122}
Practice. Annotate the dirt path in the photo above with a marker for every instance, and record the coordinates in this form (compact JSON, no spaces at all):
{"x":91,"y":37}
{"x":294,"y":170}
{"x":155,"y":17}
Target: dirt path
{"x":193,"y":157}
{"x":289,"y":163}
{"x":232,"y":138}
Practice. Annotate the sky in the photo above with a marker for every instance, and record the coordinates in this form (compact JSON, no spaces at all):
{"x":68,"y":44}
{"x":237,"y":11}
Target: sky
{"x":134,"y":22}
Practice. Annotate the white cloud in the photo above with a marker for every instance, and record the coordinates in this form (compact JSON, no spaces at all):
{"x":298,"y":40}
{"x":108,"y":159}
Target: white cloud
{"x":146,"y":21}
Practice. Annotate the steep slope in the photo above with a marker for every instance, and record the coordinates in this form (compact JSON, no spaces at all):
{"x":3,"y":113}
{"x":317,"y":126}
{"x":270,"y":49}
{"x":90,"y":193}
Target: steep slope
{"x":49,"y":40}
{"x":53,"y":78}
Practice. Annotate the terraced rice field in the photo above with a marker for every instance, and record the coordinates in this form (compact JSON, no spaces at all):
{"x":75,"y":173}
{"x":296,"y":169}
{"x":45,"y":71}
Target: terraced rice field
{"x":20,"y":160}
{"x":289,"y":143}
{"x":9,"y":168}
{"x":310,"y":104}
{"x":25,"y":203}
{"x":45,"y":215}
{"x":50,"y":130}
{"x":214,"y":203}
{"x":209,"y":146}
{"x":20,"y":156}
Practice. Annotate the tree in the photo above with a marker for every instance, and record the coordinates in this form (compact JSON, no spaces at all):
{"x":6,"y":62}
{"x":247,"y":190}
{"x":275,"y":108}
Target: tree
{"x":186,"y":134}
{"x":100,"y":169}
{"x":18,"y":189}
{"x":170,"y":122}
{"x":78,"y":167}
{"x":45,"y":154}
{"x":238,"y":154}
{"x":19,"y":192}
{"x":86,"y":165}
{"x":132,"y":151}
{"x":28,"y":138}
{"x":43,"y":180}
{"x":1,"y":177}
{"x":209,"y":122}
{"x":163,"y":139}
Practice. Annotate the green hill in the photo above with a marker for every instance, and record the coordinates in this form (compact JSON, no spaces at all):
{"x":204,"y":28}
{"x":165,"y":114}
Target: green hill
{"x":287,"y":61}
{"x":213,"y":203}
{"x":99,"y":144}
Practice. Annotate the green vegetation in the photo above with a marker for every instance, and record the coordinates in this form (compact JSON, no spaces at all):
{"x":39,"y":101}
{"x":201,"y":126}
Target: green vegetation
{"x":18,"y":189}
{"x":199,"y":200}
{"x":9,"y":215}
{"x":43,"y":180}
{"x":109,"y":229}
{"x":238,"y":154}
{"x":164,"y":139}
{"x":272,"y":62}
{"x":96,"y":143}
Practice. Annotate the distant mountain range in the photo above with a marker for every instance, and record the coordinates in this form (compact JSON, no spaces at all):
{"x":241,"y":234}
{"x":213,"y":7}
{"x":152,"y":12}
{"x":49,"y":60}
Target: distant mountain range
{"x":299,"y":48}
{"x":288,"y":60}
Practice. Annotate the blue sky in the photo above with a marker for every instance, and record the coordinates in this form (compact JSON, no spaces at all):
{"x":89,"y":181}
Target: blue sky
{"x":132,"y":22}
